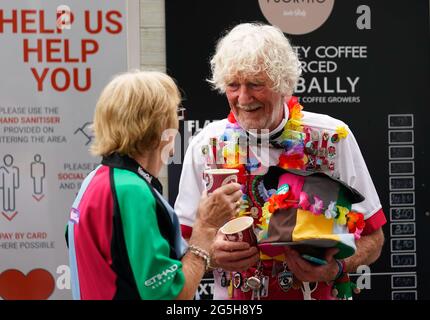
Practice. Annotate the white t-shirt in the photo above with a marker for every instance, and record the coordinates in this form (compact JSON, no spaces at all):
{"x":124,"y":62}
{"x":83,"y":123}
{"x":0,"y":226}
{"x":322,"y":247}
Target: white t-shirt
{"x":350,"y":167}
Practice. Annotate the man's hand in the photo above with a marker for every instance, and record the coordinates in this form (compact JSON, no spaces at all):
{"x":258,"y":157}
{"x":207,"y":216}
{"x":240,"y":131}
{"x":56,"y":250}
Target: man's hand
{"x":233,"y":256}
{"x":308,"y":272}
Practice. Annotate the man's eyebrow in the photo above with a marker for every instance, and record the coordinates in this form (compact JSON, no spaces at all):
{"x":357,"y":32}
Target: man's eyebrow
{"x":258,"y":81}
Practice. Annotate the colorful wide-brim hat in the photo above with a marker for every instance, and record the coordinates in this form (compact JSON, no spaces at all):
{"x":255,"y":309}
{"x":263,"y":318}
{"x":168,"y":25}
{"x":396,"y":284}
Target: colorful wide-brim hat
{"x":310,"y":211}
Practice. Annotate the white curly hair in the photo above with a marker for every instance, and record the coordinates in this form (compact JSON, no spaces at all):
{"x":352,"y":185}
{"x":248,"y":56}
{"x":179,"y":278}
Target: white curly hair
{"x":250,"y":49}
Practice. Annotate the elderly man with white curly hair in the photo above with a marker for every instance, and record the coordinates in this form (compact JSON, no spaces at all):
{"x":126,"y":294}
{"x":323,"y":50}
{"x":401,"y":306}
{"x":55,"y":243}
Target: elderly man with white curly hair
{"x":257,"y":69}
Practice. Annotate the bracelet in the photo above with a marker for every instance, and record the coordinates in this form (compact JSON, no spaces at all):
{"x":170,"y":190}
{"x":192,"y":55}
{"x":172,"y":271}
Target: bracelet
{"x":340,"y":272}
{"x":202,"y":254}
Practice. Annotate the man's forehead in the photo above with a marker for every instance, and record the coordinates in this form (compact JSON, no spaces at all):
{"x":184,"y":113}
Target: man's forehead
{"x":250,"y":77}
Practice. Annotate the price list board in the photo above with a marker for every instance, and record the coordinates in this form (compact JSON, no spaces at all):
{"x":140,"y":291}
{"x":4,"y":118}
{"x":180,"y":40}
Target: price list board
{"x":403,"y":251}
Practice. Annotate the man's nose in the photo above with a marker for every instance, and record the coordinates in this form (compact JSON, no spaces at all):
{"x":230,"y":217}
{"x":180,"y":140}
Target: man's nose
{"x":245,"y":96}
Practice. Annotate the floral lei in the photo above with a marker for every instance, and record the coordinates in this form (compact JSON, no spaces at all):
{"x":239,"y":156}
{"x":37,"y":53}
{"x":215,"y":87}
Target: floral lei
{"x":293,"y":156}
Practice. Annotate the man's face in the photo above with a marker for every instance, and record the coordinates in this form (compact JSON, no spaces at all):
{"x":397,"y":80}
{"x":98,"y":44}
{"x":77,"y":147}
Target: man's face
{"x":254,"y":104}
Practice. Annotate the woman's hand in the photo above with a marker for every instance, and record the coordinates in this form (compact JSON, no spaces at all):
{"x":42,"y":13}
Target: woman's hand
{"x":220,"y":206}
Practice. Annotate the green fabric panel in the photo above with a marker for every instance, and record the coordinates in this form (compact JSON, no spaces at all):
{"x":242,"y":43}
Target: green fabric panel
{"x":342,"y":200}
{"x":344,"y":251}
{"x":157,"y":275}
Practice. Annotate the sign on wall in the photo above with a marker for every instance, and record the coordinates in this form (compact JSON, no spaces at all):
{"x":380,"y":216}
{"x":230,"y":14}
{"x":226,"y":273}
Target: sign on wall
{"x":55,"y":58}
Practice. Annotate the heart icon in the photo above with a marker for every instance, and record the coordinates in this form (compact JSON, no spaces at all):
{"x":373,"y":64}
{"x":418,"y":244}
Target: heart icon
{"x":38,"y":284}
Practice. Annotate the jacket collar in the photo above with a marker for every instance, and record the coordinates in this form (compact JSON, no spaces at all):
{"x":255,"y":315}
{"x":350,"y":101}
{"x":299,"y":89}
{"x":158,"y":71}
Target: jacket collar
{"x":115,"y":160}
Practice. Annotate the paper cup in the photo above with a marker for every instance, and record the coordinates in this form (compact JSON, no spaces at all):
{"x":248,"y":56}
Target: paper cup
{"x":240,"y":229}
{"x":216,"y":178}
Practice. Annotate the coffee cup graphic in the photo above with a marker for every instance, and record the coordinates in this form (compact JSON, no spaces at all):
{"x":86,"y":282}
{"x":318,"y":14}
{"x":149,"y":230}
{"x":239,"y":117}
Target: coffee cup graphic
{"x":215,"y":178}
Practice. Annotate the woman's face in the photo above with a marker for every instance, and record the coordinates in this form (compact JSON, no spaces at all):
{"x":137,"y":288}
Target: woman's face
{"x":254,"y":104}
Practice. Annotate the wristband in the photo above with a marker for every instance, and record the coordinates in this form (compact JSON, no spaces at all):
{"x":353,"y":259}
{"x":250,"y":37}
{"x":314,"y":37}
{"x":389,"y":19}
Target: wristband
{"x":202,"y":254}
{"x":340,"y":272}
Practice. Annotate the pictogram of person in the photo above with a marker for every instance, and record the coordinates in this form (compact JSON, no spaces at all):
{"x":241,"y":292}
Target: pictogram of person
{"x":86,"y":130}
{"x":9,"y":182}
{"x":37,"y":171}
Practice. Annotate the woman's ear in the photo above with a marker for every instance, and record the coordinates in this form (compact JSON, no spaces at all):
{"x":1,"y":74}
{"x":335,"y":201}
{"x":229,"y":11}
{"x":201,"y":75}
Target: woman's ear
{"x":172,"y":151}
{"x":168,"y":144}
